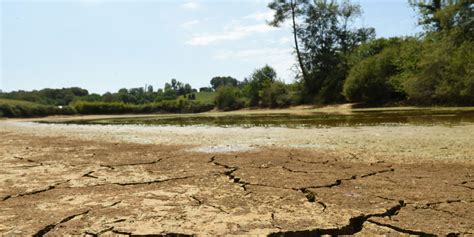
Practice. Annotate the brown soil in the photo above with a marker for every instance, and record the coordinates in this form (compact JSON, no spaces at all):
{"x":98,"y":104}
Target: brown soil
{"x":60,"y":183}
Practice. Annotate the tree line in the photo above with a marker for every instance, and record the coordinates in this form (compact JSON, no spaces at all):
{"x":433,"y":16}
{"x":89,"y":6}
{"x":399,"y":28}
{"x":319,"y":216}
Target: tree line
{"x":175,"y":97}
{"x":340,"y":63}
{"x":336,"y":63}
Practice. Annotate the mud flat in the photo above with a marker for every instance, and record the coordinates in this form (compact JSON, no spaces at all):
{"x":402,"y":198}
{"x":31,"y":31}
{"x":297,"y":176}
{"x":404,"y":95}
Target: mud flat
{"x":59,"y":179}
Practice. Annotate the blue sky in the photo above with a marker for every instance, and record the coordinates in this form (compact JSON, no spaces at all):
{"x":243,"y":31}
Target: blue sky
{"x":104,"y":45}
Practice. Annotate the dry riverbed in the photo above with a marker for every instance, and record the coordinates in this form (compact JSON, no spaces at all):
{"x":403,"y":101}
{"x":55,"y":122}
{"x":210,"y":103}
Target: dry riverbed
{"x":94,"y":180}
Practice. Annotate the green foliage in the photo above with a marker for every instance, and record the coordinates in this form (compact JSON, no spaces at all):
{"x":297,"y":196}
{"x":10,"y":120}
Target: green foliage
{"x":326,"y":38}
{"x":229,"y":98}
{"x":168,"y":106}
{"x":260,"y":80}
{"x":433,"y":70}
{"x":276,"y":94}
{"x":217,"y":82}
{"x":206,"y":97}
{"x":444,"y":74}
{"x":446,"y":15}
{"x":370,"y":80}
{"x":439,"y":70}
{"x":47,"y":96}
{"x":205,"y":89}
{"x":23,"y":109}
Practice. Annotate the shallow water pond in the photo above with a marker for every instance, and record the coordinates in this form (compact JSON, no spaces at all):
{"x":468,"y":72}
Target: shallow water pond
{"x":353,"y":118}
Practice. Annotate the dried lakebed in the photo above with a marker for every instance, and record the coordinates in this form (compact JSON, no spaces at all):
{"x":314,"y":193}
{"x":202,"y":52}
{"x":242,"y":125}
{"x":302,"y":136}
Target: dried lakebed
{"x":203,"y":180}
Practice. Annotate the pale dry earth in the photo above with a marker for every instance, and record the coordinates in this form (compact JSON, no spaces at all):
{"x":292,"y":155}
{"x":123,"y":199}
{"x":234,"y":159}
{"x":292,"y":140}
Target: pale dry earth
{"x":95,"y":180}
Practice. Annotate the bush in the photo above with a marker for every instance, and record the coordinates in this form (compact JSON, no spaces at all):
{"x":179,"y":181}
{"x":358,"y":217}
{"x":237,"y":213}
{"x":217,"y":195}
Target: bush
{"x":25,"y":110}
{"x":229,"y":98}
{"x":274,"y":95}
{"x":370,"y":80}
{"x":444,"y":74}
{"x":166,"y":106}
{"x":205,"y":89}
{"x":259,"y":84}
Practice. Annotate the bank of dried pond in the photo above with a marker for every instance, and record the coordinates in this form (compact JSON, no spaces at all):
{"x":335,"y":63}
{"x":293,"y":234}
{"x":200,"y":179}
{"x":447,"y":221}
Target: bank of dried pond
{"x":62,"y":179}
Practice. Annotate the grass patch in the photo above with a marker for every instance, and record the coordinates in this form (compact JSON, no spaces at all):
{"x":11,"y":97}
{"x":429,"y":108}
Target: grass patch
{"x":204,"y":97}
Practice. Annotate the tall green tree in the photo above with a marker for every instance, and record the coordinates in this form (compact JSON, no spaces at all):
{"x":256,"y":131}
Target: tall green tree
{"x":324,"y":38}
{"x":286,"y":10}
{"x":260,"y":79}
{"x":441,"y":15}
{"x":216,"y":82}
{"x":444,"y":72}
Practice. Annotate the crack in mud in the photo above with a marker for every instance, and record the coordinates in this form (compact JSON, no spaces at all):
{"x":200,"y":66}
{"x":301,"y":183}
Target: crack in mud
{"x":153,"y":181}
{"x":463,"y":185}
{"x":54,"y":186}
{"x":50,"y":227}
{"x":338,"y":182}
{"x":377,"y":172}
{"x":312,"y":162}
{"x":294,"y":171}
{"x":432,"y":206}
{"x":272,"y":222}
{"x":355,"y":225}
{"x":30,"y":161}
{"x":401,"y":230}
{"x":89,"y":175}
{"x":230,"y":173}
{"x":112,"y":167}
{"x":200,"y":202}
{"x":26,"y":159}
{"x":169,"y":234}
{"x":50,"y":187}
{"x":310,"y":196}
{"x":97,"y":234}
{"x":113,"y":204}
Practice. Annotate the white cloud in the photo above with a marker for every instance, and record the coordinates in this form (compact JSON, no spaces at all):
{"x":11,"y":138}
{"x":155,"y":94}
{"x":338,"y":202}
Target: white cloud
{"x":280,"y":58}
{"x":284,"y":40}
{"x":251,"y":54}
{"x":232,"y":33}
{"x":192,"y":5}
{"x":190,"y":24}
{"x":260,"y":16}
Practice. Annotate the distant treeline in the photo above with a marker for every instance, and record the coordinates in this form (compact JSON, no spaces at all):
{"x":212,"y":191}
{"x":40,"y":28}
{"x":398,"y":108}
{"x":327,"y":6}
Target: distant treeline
{"x":175,"y":97}
{"x":337,"y":63}
{"x":22,"y":109}
{"x":140,"y":95}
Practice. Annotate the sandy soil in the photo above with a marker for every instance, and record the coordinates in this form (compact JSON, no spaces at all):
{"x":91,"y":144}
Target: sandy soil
{"x":136,"y":180}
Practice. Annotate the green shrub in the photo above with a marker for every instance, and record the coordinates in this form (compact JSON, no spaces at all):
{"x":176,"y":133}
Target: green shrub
{"x":21,"y":109}
{"x":229,"y":98}
{"x":166,"y":106}
{"x":444,"y":75}
{"x":274,"y":95}
{"x":369,"y":80}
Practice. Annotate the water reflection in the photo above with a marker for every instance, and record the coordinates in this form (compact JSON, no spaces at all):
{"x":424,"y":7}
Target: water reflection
{"x":421,"y":117}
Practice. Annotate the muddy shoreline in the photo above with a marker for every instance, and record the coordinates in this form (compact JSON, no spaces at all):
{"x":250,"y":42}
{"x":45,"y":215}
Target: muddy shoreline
{"x":135,"y":180}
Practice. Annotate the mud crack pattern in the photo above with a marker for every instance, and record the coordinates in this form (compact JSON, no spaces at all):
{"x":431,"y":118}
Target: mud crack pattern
{"x":67,"y":186}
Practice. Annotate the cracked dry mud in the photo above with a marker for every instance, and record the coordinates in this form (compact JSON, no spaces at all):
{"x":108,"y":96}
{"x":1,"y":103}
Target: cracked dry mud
{"x":58,"y":183}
